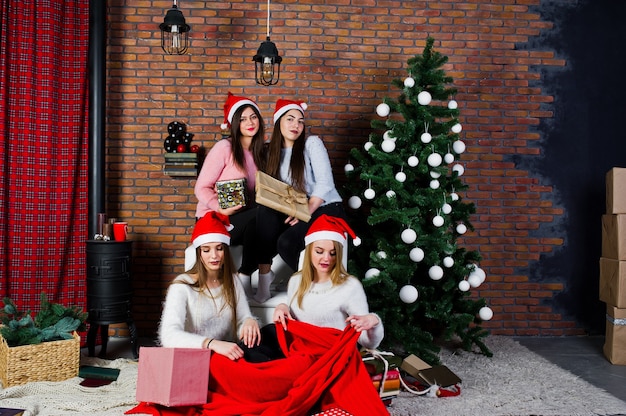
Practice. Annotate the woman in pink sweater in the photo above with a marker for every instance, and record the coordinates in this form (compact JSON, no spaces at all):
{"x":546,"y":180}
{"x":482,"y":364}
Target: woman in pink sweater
{"x":230,"y":159}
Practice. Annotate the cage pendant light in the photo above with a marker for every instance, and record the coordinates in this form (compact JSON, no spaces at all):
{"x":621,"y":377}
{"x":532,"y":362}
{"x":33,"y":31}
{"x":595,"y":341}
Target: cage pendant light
{"x":174,"y":32}
{"x":267,"y":61}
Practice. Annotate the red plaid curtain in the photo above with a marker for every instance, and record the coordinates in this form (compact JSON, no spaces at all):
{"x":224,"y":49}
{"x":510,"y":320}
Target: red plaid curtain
{"x":43,"y":153}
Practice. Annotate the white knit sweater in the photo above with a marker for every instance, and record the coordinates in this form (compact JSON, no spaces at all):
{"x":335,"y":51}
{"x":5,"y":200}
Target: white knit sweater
{"x":329,"y":306}
{"x":189,"y":317}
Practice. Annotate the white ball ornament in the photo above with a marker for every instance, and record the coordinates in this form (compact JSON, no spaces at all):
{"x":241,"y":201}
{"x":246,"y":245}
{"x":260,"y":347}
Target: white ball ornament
{"x":367,"y":146}
{"x":381,"y":255}
{"x":458,"y":146}
{"x":383,"y":109}
{"x":485,"y":313}
{"x":474,"y":280}
{"x":416,"y":254}
{"x":387,"y":136}
{"x":388,"y":146}
{"x":434,"y":160}
{"x":409,"y":82}
{"x":354,"y":202}
{"x":390,"y":194}
{"x":448,"y":158}
{"x":348,"y":168}
{"x":408,"y":294}
{"x":424,"y":98}
{"x":456,"y":128}
{"x":434,"y":184}
{"x":369,"y":193}
{"x":461,"y":229}
{"x":438,"y":221}
{"x":408,"y":236}
{"x":481,"y":273}
{"x":435,"y":272}
{"x":446,"y":208}
{"x":448,"y":262}
{"x":426,"y":137}
{"x":459,"y":169}
{"x":413,"y":161}
{"x":373,"y":272}
{"x":464,"y":286}
{"x":435,"y":175}
{"x":453,"y":105}
{"x":401,"y":176}
{"x":454,"y":196}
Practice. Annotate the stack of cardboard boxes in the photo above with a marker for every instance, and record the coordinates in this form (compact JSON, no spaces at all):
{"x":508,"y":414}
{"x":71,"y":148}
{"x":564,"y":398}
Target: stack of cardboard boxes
{"x":613,"y":266}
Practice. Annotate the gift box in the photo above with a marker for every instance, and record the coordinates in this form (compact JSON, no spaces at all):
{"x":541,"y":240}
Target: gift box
{"x":613,"y":282}
{"x":282,"y":197}
{"x":616,"y":191}
{"x":439,"y":375}
{"x":615,"y":342}
{"x":231,"y":193}
{"x":614,"y":236}
{"x":173,"y":376}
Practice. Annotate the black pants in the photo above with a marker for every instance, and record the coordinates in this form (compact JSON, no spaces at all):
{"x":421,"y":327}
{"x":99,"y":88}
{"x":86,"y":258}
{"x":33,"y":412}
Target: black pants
{"x":274,"y":236}
{"x":268,"y":350}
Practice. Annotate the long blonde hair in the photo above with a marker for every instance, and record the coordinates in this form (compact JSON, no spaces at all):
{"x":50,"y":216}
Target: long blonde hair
{"x":228,"y":283}
{"x":338,"y":274}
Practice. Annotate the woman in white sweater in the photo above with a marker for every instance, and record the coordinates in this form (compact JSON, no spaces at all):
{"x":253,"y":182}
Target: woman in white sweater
{"x":323,"y":293}
{"x":206,"y":306}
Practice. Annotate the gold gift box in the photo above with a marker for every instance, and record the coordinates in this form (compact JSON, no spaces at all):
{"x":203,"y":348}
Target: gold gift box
{"x":282,"y":197}
{"x":231,"y":193}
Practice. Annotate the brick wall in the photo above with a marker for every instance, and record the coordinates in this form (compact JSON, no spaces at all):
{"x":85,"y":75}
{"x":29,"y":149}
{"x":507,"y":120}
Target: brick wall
{"x":340,"y":56}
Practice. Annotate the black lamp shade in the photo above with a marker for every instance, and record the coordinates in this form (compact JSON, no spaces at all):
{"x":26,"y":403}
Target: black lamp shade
{"x":174,"y":33}
{"x":267,"y":64}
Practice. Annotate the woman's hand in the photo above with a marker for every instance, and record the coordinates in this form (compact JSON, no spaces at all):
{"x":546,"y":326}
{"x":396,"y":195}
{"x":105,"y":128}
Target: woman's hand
{"x":227,"y":349}
{"x":229,"y":211}
{"x":251,"y":333}
{"x":281,"y":315}
{"x":362,"y":322}
{"x":291,"y":221}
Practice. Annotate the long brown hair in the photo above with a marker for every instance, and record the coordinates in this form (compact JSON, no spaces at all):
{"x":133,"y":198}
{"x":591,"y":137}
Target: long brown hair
{"x":296,"y":165}
{"x":256,"y":147}
{"x":338,"y":274}
{"x":228,"y":283}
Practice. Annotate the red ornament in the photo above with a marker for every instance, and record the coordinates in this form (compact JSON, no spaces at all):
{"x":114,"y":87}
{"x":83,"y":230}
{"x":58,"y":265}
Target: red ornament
{"x":195,"y":148}
{"x":181,"y":148}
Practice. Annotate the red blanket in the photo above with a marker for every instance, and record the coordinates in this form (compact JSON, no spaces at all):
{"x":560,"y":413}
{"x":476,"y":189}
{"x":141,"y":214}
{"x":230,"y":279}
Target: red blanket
{"x":323,"y":369}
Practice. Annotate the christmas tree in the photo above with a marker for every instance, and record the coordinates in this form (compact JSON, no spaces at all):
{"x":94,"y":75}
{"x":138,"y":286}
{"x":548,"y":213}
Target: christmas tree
{"x":404,"y":192}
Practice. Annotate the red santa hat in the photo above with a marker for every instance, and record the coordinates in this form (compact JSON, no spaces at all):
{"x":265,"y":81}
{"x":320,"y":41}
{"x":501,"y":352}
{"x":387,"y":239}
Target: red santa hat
{"x":212,"y":228}
{"x":232,"y":104}
{"x":326,"y":227}
{"x":282,"y":106}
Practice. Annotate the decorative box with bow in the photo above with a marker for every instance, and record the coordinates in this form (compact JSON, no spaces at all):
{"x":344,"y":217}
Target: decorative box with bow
{"x":282,"y":197}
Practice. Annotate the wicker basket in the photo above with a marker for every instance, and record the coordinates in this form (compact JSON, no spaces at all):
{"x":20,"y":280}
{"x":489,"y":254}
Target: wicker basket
{"x":48,"y":361}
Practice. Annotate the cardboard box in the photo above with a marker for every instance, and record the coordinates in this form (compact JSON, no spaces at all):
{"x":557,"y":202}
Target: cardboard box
{"x":277,"y":195}
{"x":616,"y":191}
{"x":614,"y":236}
{"x":420,"y":370}
{"x":173,"y":376}
{"x":615,"y":343}
{"x":613,"y":282}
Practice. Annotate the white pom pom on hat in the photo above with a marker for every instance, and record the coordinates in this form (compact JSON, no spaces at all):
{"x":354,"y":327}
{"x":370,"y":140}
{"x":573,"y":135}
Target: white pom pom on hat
{"x":282,"y":106}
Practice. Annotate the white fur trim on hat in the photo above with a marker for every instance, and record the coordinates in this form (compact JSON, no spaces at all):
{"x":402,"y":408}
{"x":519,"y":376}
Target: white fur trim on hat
{"x":239,"y":104}
{"x":282,"y":110}
{"x":325,"y":235}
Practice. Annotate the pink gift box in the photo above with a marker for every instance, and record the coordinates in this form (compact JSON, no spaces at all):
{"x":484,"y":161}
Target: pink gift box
{"x":173,"y":376}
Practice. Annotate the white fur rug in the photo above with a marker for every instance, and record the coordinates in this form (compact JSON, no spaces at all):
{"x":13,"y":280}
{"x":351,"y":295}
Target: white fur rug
{"x":515,"y":381}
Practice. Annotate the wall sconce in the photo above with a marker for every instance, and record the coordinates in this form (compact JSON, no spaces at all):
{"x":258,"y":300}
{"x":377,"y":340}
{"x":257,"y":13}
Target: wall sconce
{"x":174,"y":32}
{"x":267,"y":61}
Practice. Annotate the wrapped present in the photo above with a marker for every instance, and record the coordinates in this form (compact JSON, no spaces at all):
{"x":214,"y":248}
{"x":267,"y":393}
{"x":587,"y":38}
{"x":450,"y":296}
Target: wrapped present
{"x":173,"y":376}
{"x":231,"y":193}
{"x":282,"y":197}
{"x":615,"y":341}
{"x":384,"y":371}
